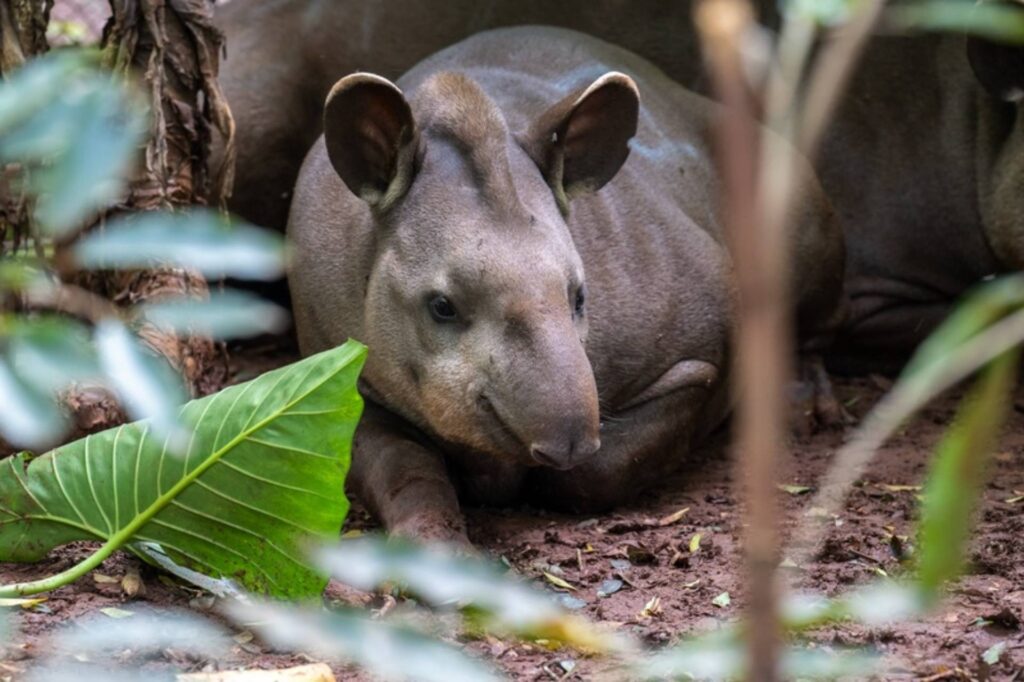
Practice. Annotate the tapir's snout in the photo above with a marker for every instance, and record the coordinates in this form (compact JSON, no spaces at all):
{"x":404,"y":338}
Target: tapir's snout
{"x":565,"y":453}
{"x":563,"y":420}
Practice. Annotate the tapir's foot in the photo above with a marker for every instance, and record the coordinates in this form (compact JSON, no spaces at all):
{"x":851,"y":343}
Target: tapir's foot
{"x":814,"y":403}
{"x":434,"y":529}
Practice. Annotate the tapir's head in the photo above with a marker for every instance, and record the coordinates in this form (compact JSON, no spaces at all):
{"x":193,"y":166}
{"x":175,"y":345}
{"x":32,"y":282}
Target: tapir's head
{"x":476,"y":308}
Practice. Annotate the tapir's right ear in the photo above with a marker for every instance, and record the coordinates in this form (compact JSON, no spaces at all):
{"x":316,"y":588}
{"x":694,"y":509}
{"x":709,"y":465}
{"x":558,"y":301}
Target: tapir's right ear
{"x":371,"y":137}
{"x":581,"y":142}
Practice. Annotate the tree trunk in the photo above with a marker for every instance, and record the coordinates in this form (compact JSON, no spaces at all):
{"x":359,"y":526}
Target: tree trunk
{"x":22,"y":35}
{"x":174,"y":46}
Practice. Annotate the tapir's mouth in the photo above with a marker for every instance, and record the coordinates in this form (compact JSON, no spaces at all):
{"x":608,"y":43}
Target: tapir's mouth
{"x":503,"y":428}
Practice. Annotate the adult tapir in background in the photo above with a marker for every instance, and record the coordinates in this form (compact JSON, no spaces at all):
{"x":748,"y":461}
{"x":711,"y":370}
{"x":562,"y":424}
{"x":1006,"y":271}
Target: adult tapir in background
{"x":283,"y":56}
{"x":524,"y":231}
{"x":923,"y":163}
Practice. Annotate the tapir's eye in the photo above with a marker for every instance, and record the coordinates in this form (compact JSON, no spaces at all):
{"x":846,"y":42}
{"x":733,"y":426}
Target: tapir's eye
{"x":441,"y":309}
{"x":580,"y":301}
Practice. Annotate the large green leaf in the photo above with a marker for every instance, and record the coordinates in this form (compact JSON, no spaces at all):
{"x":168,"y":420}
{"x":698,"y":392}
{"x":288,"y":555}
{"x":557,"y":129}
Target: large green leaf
{"x":262,"y":478}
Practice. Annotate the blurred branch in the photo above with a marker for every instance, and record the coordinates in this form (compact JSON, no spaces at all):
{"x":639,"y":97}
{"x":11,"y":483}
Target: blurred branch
{"x":832,"y":73}
{"x":763,"y":344}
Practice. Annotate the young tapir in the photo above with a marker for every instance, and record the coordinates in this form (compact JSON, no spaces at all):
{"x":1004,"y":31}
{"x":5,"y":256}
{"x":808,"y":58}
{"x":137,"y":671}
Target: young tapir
{"x":535,"y":260}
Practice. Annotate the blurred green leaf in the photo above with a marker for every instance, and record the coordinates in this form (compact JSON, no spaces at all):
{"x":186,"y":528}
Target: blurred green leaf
{"x":883,"y":603}
{"x":998,"y":21}
{"x":200,"y":240}
{"x":36,"y":84}
{"x":75,"y":129}
{"x":957,"y":474}
{"x":722,"y":656}
{"x":992,"y":654}
{"x":28,"y":418}
{"x":385,"y":650}
{"x":262,"y":478}
{"x":145,"y":631}
{"x":16,"y":274}
{"x":226,"y":315}
{"x":90,"y":172}
{"x":717,"y":656}
{"x":823,"y":12}
{"x":146,"y":385}
{"x":439,"y":576}
{"x":827,"y":664}
{"x":982,"y":307}
{"x":50,"y":352}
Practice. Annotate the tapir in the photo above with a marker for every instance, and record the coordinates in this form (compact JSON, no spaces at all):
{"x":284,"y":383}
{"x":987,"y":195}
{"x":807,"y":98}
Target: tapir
{"x":925,"y":164}
{"x":923,"y":161}
{"x":524,"y":230}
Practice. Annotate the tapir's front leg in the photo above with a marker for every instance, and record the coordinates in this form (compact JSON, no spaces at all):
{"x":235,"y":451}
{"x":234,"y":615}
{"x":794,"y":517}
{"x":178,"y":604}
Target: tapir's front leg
{"x":404,"y":483}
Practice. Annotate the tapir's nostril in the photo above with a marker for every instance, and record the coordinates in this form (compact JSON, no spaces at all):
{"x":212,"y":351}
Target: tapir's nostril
{"x":564,"y":455}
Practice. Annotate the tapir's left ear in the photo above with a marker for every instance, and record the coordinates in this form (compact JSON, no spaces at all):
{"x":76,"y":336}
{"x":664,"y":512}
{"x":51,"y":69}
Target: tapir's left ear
{"x":581,"y":142}
{"x":999,"y":67}
{"x":371,"y":137}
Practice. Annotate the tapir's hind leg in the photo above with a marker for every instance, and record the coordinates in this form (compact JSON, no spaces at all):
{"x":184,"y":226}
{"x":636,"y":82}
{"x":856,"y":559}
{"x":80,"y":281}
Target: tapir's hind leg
{"x":818,"y":263}
{"x":404,"y":483}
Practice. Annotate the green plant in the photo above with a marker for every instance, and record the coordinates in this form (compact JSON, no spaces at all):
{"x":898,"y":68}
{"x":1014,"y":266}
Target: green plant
{"x":262,"y":476}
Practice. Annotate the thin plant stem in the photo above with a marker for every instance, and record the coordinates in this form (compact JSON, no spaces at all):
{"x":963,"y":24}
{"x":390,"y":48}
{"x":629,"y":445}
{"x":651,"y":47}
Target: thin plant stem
{"x":762,"y":339}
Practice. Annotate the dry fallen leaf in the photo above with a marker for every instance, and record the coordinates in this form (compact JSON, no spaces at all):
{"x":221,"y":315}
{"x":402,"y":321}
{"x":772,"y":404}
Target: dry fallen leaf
{"x":722,"y":600}
{"x":651,"y":608}
{"x":673,"y":517}
{"x":112,"y":612}
{"x":794,"y":489}
{"x":132,"y":584}
{"x":557,"y":582}
{"x":316,"y":672}
{"x":101,"y":579}
{"x":22,"y":602}
{"x":898,"y":488}
{"x":695,"y":543}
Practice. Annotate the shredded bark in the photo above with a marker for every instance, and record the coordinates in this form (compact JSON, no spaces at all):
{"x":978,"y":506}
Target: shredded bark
{"x":22,"y":35}
{"x":175,"y":47}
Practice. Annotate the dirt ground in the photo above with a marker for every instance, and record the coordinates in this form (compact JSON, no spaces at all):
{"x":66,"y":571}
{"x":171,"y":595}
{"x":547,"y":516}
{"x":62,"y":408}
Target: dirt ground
{"x":982,"y":609}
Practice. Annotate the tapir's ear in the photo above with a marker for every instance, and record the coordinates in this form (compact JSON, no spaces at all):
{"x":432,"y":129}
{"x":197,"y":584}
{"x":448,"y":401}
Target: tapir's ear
{"x":999,"y":67}
{"x":581,"y":142}
{"x":371,"y":137}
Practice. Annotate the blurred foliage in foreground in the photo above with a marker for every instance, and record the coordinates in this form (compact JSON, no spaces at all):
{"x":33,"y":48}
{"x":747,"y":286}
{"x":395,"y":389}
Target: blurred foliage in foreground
{"x":69,"y":135}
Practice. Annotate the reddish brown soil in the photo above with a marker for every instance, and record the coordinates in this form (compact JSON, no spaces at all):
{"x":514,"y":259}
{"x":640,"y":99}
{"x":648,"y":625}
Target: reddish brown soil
{"x":947,"y":645}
